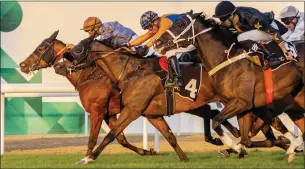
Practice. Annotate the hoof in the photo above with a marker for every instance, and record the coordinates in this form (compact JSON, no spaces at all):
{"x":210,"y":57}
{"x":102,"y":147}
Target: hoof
{"x":242,"y":153}
{"x":185,"y":159}
{"x":300,"y":148}
{"x":224,"y":153}
{"x":289,"y":157}
{"x":85,"y":160}
{"x":218,"y":141}
{"x":153,"y":152}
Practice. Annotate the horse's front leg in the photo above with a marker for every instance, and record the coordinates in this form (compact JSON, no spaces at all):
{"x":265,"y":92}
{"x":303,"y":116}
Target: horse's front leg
{"x":231,"y":109}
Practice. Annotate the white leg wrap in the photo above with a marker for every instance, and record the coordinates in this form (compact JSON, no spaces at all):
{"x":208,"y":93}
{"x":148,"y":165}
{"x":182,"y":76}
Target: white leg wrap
{"x":229,"y":142}
{"x":294,"y":142}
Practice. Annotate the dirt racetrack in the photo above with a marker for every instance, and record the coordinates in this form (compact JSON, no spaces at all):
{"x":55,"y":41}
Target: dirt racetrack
{"x":54,"y":144}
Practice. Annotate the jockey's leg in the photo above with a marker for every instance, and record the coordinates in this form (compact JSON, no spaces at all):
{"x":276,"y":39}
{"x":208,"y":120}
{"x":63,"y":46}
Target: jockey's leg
{"x":175,"y":75}
{"x":249,"y":40}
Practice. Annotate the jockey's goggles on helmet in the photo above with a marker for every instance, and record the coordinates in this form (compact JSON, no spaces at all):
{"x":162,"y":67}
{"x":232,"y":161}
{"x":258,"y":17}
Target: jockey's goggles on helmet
{"x":288,"y":20}
{"x":224,"y":18}
{"x":153,"y":23}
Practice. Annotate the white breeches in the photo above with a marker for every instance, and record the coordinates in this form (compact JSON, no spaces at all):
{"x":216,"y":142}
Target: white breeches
{"x":256,"y":35}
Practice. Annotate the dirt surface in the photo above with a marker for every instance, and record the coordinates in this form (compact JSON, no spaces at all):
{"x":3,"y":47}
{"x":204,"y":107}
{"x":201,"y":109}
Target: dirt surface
{"x":53,"y":144}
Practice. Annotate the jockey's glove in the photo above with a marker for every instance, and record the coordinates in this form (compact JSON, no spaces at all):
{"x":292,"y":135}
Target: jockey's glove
{"x":142,"y":50}
{"x":287,"y":54}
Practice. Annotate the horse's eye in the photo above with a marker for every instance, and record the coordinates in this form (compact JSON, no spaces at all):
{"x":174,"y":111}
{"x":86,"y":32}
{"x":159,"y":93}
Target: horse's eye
{"x":180,"y":24}
{"x":40,"y":48}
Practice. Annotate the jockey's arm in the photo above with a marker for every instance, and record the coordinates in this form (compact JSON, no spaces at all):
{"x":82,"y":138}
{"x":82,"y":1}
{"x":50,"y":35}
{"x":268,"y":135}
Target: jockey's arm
{"x":141,"y":39}
{"x":165,"y":24}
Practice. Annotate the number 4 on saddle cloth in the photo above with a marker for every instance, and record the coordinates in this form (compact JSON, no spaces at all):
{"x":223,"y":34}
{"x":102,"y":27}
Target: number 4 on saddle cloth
{"x":192,"y":78}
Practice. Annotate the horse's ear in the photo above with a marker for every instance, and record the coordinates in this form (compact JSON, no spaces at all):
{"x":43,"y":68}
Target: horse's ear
{"x":54,"y":35}
{"x":195,"y":15}
{"x":190,"y":13}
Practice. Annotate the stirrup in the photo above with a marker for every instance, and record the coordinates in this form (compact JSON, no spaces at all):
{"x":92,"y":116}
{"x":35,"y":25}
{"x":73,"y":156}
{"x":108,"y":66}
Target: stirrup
{"x":172,"y":85}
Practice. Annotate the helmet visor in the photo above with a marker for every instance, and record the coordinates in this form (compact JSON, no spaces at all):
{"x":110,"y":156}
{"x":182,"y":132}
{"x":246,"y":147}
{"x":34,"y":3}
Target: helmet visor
{"x":222,"y":19}
{"x":287,"y":20}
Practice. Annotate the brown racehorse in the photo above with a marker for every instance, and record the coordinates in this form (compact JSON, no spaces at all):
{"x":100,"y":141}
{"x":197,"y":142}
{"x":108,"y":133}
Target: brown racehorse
{"x":41,"y":60}
{"x":246,"y":91}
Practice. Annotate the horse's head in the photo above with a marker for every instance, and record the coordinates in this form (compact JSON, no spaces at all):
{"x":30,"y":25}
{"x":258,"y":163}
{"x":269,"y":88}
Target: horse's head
{"x":45,"y":55}
{"x":181,"y":34}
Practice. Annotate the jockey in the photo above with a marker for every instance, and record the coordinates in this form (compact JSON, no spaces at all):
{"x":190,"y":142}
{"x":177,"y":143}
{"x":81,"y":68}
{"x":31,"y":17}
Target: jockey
{"x":112,"y":33}
{"x":252,"y":26}
{"x":294,"y":20}
{"x":156,"y":26}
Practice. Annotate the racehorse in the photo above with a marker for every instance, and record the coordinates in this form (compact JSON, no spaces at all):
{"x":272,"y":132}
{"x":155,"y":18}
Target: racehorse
{"x":246,"y":91}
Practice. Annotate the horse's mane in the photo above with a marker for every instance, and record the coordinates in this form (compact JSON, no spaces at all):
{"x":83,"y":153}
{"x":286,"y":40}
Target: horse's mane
{"x":219,"y":32}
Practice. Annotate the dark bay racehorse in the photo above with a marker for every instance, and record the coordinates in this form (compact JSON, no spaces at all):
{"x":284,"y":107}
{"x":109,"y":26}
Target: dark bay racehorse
{"x":241,"y":84}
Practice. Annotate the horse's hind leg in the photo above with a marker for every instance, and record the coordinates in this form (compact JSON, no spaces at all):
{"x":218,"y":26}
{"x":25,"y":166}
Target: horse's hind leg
{"x":123,"y":141}
{"x":207,"y":114}
{"x":207,"y":133}
{"x":160,"y":124}
{"x":299,"y":98}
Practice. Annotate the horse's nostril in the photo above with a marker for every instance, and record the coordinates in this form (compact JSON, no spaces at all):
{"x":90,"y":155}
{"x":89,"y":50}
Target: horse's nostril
{"x":22,"y":65}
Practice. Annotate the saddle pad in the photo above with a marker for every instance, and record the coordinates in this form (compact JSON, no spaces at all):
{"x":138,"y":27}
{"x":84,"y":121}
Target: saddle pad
{"x":192,"y":81}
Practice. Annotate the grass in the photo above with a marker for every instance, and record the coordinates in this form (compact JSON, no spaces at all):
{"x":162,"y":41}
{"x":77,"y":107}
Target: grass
{"x":163,"y":160}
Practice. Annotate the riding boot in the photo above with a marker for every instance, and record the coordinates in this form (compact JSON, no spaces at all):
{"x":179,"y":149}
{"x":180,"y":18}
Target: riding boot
{"x":175,"y":75}
{"x":260,"y":50}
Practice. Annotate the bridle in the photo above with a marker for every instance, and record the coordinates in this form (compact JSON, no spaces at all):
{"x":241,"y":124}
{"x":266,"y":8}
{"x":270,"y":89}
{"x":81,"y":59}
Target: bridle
{"x":47,"y":56}
{"x":177,"y":39}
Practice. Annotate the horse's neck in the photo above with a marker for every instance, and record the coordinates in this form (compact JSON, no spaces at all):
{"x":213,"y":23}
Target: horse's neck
{"x":211,"y":52}
{"x":118,"y":66}
{"x":122,"y":66}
